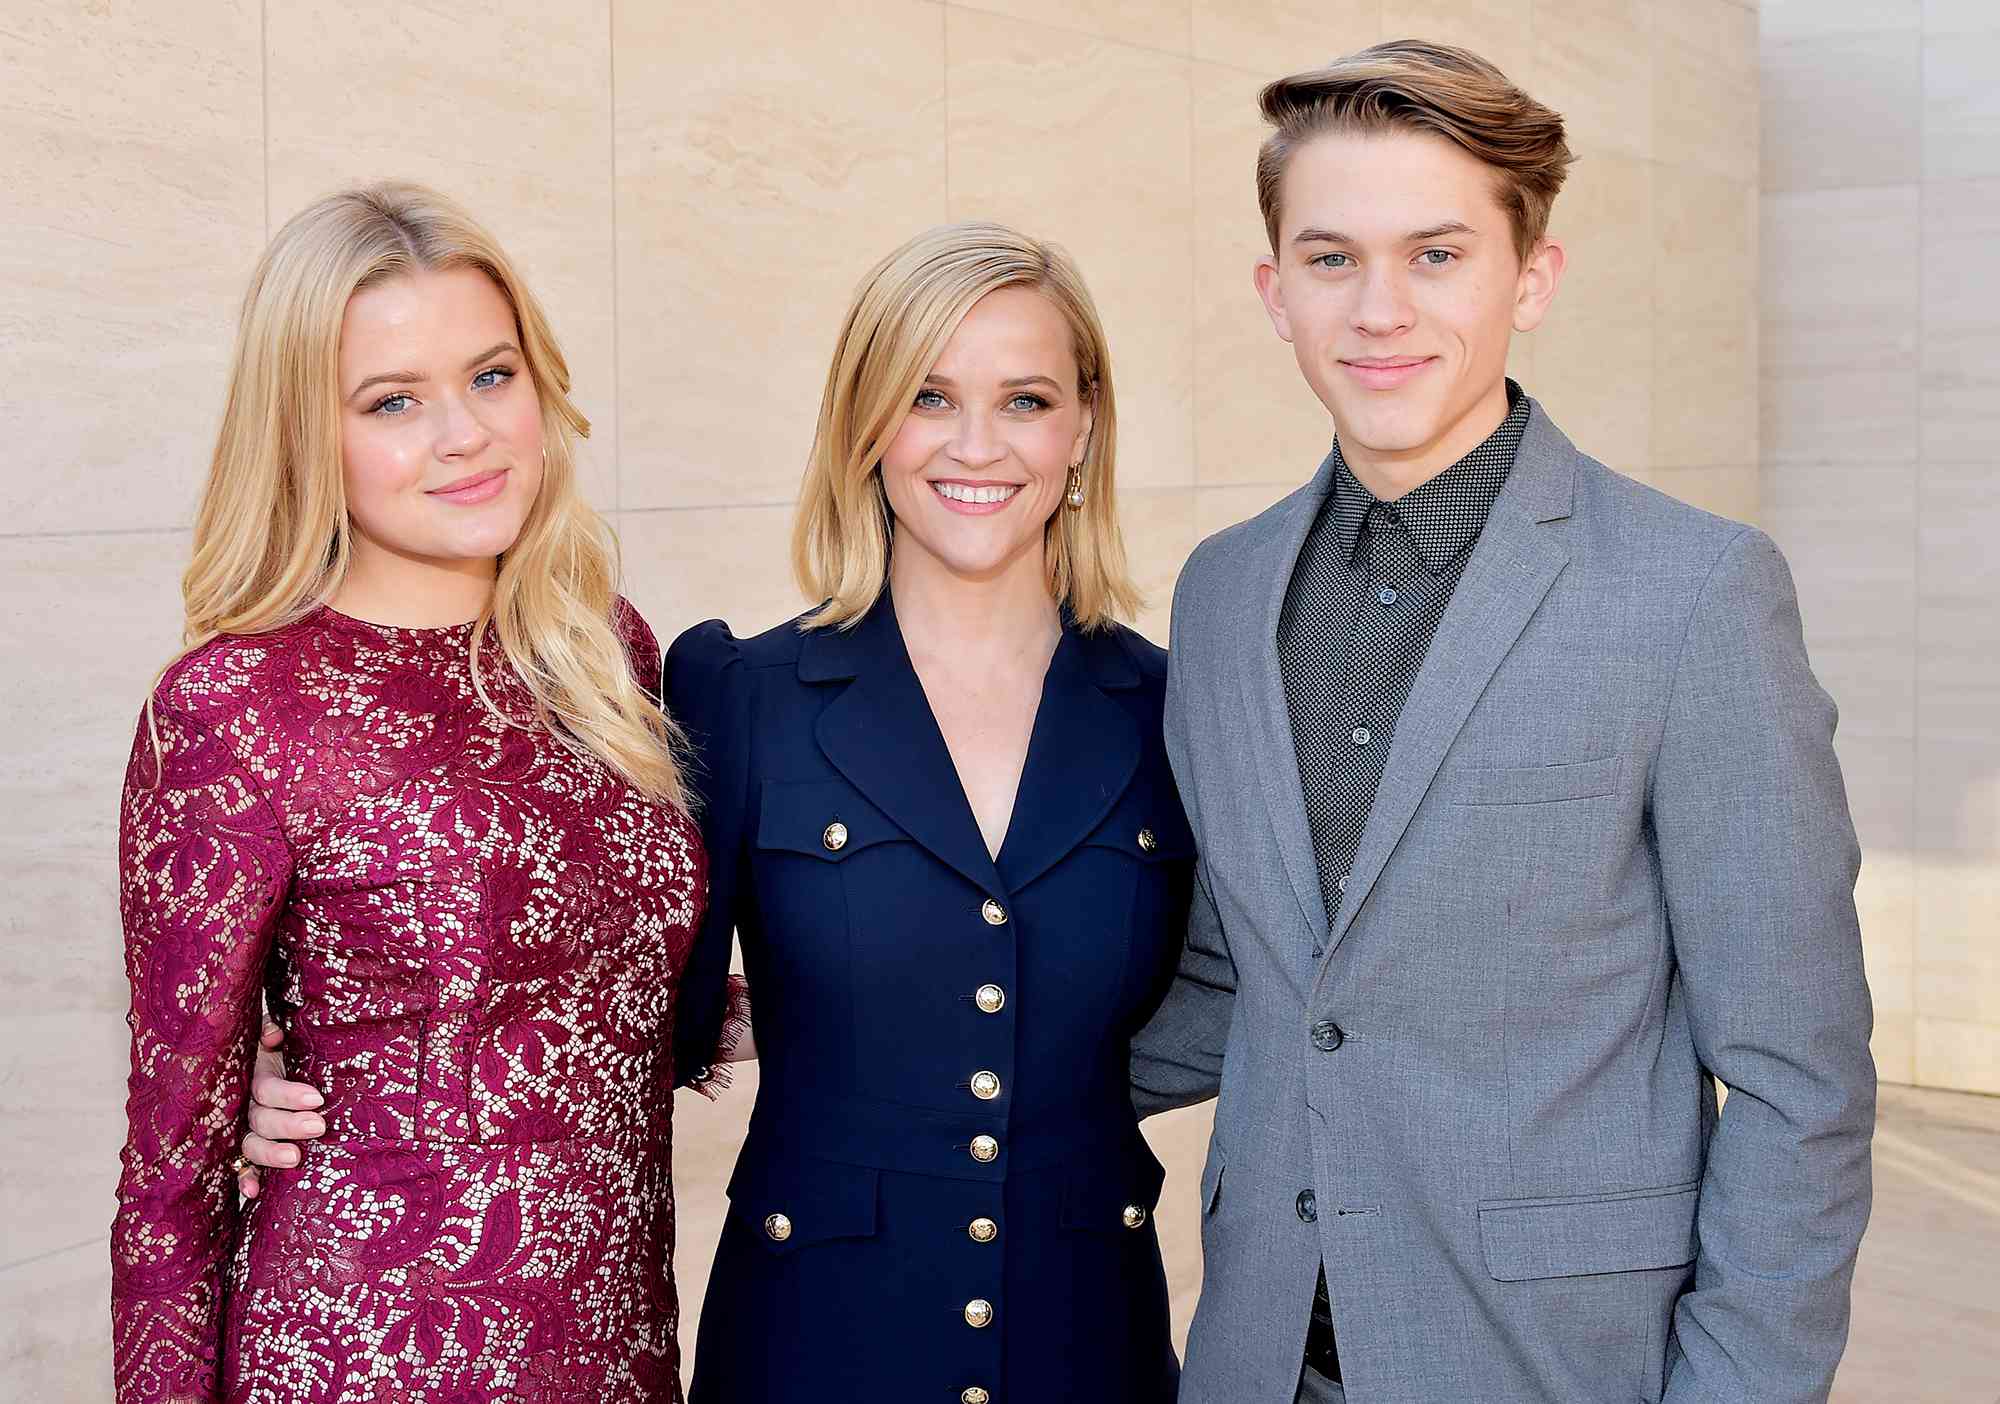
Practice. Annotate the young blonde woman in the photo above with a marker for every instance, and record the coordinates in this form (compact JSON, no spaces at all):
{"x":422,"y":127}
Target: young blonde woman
{"x":942,"y":822}
{"x":410,"y":778}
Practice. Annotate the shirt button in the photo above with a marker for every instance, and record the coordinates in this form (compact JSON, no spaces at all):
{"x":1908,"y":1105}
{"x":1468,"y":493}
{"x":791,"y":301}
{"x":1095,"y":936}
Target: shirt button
{"x":985,"y":1149}
{"x":978,"y":1313}
{"x":990,"y":999}
{"x":982,"y":1230}
{"x":995,"y":914}
{"x":985,"y":1086}
{"x":1386,"y":596}
{"x":1343,"y":881}
{"x":1326,"y":1036}
{"x":1362,"y":736}
{"x":1308,"y":1204}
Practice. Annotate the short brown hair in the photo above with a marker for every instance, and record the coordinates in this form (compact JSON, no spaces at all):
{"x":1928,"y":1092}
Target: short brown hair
{"x":1418,"y":86}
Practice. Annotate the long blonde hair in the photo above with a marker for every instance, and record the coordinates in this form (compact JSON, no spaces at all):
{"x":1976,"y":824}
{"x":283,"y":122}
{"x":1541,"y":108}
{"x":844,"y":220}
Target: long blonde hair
{"x":272,"y":538}
{"x":903,"y":313}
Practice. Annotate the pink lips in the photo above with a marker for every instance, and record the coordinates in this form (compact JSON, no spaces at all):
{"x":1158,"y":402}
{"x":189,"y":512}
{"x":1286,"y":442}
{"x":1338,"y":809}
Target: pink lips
{"x":1387,"y":372}
{"x":480,"y":487}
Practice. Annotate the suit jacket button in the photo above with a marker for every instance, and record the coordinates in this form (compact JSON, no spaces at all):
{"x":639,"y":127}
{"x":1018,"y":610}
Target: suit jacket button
{"x":982,"y":1230}
{"x":1147,"y":843}
{"x":990,"y":999}
{"x":778,"y":1227}
{"x":1308,"y":1206}
{"x":1327,"y":1036}
{"x":985,"y":1086}
{"x":995,"y":914}
{"x":1135,"y":1216}
{"x":985,"y":1149}
{"x":978,"y":1313}
{"x":835,"y":837}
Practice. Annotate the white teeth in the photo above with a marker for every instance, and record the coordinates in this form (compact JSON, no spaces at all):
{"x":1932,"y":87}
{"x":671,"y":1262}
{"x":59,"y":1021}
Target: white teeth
{"x":958,"y":492}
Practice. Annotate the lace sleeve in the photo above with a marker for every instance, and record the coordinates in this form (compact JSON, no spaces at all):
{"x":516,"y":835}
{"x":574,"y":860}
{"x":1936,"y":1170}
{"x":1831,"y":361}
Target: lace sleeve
{"x":203,"y":873}
{"x":714,"y":1076}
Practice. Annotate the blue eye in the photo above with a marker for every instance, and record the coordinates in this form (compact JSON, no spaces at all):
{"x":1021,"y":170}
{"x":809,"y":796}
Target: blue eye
{"x":1437,"y":258}
{"x":1030,"y":402}
{"x":393,"y":404}
{"x":1326,"y":260}
{"x":485,"y":379}
{"x":931,"y":399}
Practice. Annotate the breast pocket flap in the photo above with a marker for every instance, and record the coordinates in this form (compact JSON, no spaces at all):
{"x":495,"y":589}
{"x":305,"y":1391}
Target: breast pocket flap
{"x":1526,"y":1239}
{"x":1535,"y":784}
{"x":793,"y":1203}
{"x":822,"y":819}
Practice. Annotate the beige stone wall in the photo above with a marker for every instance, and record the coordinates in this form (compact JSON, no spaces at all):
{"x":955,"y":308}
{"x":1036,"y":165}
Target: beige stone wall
{"x":1881,"y":452}
{"x":694,"y":190}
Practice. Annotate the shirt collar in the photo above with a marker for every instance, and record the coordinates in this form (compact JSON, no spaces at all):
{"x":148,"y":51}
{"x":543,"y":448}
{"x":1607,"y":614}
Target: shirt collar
{"x":1445,"y":515}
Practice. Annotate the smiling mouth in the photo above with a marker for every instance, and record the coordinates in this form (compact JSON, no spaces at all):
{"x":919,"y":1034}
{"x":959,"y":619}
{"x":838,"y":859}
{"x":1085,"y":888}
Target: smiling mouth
{"x":976,"y":494}
{"x":1385,"y":372}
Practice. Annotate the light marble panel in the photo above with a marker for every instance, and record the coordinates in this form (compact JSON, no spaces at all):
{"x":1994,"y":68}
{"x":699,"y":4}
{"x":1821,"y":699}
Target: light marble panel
{"x":1809,"y":19}
{"x":1159,"y":533}
{"x":1705,"y":104}
{"x":1151,"y":24}
{"x":1958,"y":16}
{"x":767,"y":156}
{"x":1961,"y":322}
{"x":1593,"y":63}
{"x":1216,"y":508}
{"x":1960,"y":1054}
{"x":1850,"y":535}
{"x":1840,"y":278}
{"x":707,"y":1136}
{"x":55,"y":1327}
{"x":1255,"y":418}
{"x":85,"y":670}
{"x":1860,"y":414}
{"x":1958,"y":949}
{"x":1273,"y":38}
{"x":1958,"y":794}
{"x":1120,"y":199}
{"x":62,"y":1102}
{"x":1841,"y":110}
{"x":134,"y":209}
{"x":516,"y":126}
{"x":1958,"y":628}
{"x":1704,"y":260}
{"x":1705,"y":391}
{"x":1961,"y":113}
{"x":684,"y":566}
{"x":1500,"y":31}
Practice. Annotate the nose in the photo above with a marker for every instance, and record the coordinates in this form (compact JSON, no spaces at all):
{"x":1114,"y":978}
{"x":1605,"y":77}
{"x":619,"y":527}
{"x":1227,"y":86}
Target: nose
{"x":461,"y":432}
{"x":1382,"y":306}
{"x":975,"y":445}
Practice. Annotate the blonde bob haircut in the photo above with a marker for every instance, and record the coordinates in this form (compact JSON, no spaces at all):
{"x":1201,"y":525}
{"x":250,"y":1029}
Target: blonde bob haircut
{"x":272,"y":539}
{"x":903,"y":313}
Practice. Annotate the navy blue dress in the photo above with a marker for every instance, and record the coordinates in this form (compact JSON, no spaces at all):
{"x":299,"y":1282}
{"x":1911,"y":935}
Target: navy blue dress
{"x":944,"y":1196}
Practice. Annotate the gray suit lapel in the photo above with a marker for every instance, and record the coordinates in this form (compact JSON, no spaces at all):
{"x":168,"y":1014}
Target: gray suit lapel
{"x":1268,"y":575}
{"x":1512,"y":568}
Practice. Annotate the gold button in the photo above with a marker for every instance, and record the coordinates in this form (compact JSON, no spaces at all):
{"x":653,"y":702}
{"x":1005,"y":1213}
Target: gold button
{"x":985,"y":1086}
{"x":975,"y":1395}
{"x":985,"y":1149}
{"x":982,"y":1230}
{"x":978,"y":1313}
{"x":995,"y":914}
{"x":990,"y":998}
{"x":1147,"y":843}
{"x":835,"y":837}
{"x":1135,"y":1217}
{"x":778,"y":1227}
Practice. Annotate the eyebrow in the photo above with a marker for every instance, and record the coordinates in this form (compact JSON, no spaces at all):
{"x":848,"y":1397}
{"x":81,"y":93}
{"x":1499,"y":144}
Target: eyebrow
{"x":1014,"y":383}
{"x":404,"y":377}
{"x":1418,"y":236}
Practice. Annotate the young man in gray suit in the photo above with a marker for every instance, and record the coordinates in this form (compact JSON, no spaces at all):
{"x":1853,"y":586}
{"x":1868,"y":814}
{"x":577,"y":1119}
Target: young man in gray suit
{"x":1520,"y":829}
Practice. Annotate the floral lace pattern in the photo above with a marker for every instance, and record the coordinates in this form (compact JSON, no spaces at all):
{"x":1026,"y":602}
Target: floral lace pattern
{"x":472,"y":931}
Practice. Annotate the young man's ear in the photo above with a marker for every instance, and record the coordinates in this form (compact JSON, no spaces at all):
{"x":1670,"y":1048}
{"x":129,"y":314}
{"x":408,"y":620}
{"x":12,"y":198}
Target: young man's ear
{"x":1541,"y":275}
{"x":1266,"y":278}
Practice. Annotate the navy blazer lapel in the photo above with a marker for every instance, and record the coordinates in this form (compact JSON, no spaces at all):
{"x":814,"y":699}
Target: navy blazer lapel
{"x":880,"y":733}
{"x":1511,"y":571}
{"x":1267,"y":578}
{"x":1081,"y":757}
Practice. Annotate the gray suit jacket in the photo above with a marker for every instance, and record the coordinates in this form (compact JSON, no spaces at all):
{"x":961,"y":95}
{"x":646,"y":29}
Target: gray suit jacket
{"x":1610,"y":860}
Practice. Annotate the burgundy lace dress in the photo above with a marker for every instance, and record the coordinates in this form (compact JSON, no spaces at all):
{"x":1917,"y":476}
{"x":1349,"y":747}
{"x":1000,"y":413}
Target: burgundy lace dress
{"x":474,"y":934}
